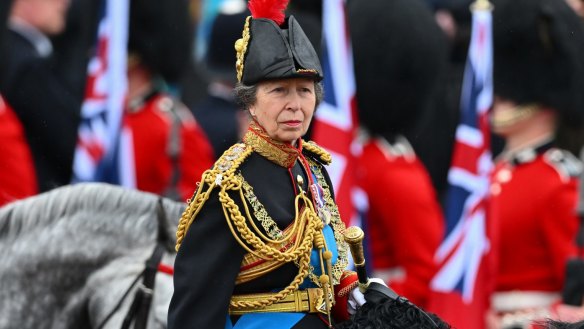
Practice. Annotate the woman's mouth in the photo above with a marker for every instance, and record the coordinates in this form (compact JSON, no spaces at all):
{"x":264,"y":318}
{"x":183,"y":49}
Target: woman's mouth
{"x":292,"y":123}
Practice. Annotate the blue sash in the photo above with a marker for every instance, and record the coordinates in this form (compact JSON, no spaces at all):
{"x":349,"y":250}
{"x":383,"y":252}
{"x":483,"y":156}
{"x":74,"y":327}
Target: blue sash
{"x":266,"y":321}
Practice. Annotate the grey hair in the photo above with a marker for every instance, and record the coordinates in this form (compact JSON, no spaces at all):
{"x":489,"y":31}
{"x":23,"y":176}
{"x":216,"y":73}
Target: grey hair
{"x":246,"y":96}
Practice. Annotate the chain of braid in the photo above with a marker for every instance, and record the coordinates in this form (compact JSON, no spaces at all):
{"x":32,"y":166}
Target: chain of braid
{"x":322,"y":154}
{"x":291,"y":288}
{"x":300,"y":253}
{"x":259,"y":247}
{"x":209,"y":177}
{"x":194,"y":204}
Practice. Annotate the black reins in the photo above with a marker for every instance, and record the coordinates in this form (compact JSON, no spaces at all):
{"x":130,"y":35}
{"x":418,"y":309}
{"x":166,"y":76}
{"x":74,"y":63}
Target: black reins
{"x":140,"y":307}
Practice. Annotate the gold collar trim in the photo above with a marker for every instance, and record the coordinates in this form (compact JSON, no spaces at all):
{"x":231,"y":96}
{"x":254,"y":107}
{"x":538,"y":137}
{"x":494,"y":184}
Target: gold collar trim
{"x":282,"y":154}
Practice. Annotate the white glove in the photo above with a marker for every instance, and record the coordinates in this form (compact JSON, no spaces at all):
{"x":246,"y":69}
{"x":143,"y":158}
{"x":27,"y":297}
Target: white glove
{"x":357,"y":299}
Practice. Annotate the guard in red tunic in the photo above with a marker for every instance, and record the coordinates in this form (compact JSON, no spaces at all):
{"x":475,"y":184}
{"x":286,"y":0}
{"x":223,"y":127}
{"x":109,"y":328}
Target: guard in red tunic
{"x":404,"y":223}
{"x":17,"y":175}
{"x":533,"y":195}
{"x":539,"y":93}
{"x":171,"y":151}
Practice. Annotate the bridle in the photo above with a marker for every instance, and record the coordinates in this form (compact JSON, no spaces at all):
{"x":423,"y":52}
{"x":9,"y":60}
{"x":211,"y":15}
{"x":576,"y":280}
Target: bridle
{"x":140,"y":307}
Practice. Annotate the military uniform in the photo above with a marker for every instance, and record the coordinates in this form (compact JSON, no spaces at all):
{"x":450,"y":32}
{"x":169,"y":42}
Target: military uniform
{"x":538,"y":81}
{"x":171,"y":151}
{"x":404,"y":218}
{"x":261,"y":242}
{"x":404,"y":222}
{"x":533,"y":200}
{"x":17,"y":176}
{"x":260,"y":191}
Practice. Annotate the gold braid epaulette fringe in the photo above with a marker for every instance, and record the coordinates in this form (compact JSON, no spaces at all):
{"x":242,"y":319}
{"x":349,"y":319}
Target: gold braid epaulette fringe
{"x":313,"y":148}
{"x":306,"y":230}
{"x":221,"y":175}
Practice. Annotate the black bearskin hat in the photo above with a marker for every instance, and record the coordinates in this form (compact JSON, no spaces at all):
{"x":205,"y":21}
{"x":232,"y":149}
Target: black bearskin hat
{"x":5,"y":7}
{"x":400,"y":56}
{"x":226,"y":29}
{"x":274,"y":47}
{"x":161,"y":35}
{"x":539,"y":55}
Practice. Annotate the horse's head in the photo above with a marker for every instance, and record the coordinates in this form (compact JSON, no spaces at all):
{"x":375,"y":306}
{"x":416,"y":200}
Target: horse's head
{"x":69,"y":254}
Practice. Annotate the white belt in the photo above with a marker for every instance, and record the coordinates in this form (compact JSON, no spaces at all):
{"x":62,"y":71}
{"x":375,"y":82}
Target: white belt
{"x":516,"y":300}
{"x":393,"y":274}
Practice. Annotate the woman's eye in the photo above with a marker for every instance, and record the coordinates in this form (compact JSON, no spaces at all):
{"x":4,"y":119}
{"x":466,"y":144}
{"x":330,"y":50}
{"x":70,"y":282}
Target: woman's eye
{"x":278,"y":89}
{"x":306,"y":90}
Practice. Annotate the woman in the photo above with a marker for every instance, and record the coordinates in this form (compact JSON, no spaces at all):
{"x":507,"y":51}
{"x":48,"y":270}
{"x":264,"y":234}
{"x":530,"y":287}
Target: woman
{"x":260,"y":244}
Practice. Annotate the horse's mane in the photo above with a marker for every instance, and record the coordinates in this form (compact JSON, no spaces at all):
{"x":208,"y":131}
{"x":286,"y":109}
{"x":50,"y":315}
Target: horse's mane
{"x":102,"y":204}
{"x":53,"y":243}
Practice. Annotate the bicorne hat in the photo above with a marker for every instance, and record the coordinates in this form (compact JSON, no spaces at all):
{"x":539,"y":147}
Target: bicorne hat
{"x":273,"y":46}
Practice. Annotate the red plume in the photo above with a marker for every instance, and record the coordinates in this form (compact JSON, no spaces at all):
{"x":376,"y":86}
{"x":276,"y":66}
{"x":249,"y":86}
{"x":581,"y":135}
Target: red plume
{"x":270,"y":9}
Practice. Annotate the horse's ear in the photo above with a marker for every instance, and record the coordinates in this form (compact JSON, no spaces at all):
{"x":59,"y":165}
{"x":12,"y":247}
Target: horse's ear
{"x":163,"y":234}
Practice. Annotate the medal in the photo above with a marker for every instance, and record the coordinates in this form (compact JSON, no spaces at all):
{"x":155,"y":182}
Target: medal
{"x":318,"y":199}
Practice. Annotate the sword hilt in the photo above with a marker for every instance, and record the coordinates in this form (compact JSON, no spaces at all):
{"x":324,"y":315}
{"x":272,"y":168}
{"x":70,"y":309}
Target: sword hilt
{"x":354,"y":237}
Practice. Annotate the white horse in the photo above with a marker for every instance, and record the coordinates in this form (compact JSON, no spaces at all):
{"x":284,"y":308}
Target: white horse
{"x":75,"y":257}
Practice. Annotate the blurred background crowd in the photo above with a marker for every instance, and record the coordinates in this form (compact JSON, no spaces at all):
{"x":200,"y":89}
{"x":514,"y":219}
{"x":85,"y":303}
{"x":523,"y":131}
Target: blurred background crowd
{"x":184,"y":49}
{"x":180,"y":115}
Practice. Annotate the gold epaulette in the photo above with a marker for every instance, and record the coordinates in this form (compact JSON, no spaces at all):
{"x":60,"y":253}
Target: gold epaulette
{"x":221,"y":176}
{"x":321,"y":154}
{"x":229,"y":162}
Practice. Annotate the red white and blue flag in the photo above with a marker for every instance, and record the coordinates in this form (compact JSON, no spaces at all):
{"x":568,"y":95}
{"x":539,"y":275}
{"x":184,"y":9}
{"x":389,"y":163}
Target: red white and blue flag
{"x":104,"y":151}
{"x":335,"y":126}
{"x":461,"y":287}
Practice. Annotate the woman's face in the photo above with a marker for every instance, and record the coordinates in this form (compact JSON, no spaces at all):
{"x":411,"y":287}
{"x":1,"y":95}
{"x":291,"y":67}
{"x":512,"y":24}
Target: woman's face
{"x":284,"y":107}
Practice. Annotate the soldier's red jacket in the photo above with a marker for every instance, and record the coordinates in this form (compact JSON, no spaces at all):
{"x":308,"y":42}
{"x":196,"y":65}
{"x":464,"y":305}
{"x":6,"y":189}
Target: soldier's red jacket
{"x":17,"y":175}
{"x":404,"y":222}
{"x":171,"y":151}
{"x":533,"y":199}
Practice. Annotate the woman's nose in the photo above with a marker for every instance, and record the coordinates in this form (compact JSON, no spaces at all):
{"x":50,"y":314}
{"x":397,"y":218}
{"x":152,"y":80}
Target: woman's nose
{"x":293,"y":101}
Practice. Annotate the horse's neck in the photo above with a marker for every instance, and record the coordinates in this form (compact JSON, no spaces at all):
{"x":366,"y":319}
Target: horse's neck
{"x":60,"y":253}
{"x":118,"y":284}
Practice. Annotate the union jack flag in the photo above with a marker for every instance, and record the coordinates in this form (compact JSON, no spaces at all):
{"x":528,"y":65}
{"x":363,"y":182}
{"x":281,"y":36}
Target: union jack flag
{"x":102,"y":152}
{"x":460,"y":289}
{"x":335,"y":126}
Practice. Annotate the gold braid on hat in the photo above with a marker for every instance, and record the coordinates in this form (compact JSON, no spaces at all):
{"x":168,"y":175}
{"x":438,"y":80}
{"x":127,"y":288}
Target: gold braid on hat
{"x":241,"y":49}
{"x":304,"y":234}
